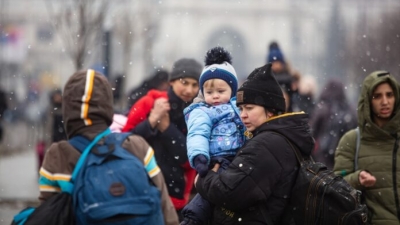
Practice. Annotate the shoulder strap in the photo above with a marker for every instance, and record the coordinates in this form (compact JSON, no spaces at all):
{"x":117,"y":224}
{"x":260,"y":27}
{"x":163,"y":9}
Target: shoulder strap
{"x":86,"y":151}
{"x":79,"y":142}
{"x":117,"y":138}
{"x":357,"y":149}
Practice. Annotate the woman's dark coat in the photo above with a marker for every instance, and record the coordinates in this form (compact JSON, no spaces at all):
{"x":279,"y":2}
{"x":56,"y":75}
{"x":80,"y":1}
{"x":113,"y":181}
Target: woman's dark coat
{"x":256,"y":186}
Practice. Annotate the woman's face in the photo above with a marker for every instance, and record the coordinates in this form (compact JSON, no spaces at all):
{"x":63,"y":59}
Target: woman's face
{"x":185,"y":88}
{"x":252,"y":116}
{"x":382,"y":103}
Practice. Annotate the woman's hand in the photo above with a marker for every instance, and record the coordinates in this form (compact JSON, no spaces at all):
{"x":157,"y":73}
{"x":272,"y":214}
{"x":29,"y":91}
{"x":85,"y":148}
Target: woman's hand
{"x":216,"y":167}
{"x":195,"y":180}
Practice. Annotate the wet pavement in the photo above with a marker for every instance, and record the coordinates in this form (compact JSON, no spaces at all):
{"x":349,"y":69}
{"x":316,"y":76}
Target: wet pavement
{"x":18,"y":183}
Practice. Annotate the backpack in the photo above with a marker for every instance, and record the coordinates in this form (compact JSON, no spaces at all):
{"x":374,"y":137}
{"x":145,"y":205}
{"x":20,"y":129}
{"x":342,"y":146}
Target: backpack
{"x":321,"y":197}
{"x":55,"y":210}
{"x":113,"y":186}
{"x":59,"y":208}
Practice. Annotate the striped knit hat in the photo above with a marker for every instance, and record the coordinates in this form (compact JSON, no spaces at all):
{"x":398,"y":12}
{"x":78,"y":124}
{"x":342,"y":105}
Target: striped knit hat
{"x":218,"y":66}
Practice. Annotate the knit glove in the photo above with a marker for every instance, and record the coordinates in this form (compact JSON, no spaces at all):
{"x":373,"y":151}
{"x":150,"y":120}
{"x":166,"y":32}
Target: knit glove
{"x":200,"y":165}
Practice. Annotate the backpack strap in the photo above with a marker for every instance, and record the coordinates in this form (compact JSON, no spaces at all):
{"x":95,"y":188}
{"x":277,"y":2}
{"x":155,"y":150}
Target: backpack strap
{"x":79,"y":142}
{"x":357,"y":149}
{"x":86,"y":152}
{"x":117,"y":138}
{"x":296,"y":151}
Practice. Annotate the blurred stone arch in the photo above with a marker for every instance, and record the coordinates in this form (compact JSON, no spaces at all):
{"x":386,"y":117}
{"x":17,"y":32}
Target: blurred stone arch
{"x":232,"y":40}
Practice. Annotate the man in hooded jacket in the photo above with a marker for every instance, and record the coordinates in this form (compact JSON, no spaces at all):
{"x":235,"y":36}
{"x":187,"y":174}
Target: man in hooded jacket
{"x":378,"y":172}
{"x":88,"y":110}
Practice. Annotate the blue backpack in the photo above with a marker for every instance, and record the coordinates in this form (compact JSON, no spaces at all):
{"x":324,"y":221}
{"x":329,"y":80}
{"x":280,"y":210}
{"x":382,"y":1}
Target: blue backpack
{"x":59,"y":208}
{"x":113,"y":186}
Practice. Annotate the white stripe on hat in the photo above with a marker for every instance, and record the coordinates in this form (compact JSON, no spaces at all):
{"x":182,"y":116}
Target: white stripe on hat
{"x":86,"y":97}
{"x":225,"y":66}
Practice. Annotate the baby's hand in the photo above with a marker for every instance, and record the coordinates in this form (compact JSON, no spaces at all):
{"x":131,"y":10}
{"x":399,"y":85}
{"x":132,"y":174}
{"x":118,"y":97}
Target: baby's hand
{"x":200,"y":165}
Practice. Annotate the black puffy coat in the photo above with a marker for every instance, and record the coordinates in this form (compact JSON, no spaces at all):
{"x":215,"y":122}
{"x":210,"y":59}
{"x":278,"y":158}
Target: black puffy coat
{"x":256,"y":186}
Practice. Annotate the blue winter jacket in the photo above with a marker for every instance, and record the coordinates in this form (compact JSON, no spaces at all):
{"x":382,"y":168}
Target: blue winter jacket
{"x":213,"y":130}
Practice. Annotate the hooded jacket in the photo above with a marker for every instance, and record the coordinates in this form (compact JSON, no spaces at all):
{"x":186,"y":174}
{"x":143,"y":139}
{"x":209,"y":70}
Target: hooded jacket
{"x":257,"y":184}
{"x":213,"y":130}
{"x":378,"y":154}
{"x":87,"y":111}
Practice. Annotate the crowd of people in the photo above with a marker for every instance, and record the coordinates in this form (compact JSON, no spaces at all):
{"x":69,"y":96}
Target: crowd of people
{"x":231,"y":144}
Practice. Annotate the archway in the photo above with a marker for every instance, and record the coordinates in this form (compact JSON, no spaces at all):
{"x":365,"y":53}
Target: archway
{"x":231,"y":40}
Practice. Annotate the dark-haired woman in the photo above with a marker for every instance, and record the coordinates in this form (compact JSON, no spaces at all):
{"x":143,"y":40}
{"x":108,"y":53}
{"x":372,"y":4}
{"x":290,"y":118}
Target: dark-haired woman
{"x":256,"y":186}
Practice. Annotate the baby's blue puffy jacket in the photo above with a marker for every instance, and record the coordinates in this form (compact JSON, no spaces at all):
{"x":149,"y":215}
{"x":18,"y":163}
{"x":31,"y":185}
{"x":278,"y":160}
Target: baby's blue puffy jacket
{"x":213,"y":130}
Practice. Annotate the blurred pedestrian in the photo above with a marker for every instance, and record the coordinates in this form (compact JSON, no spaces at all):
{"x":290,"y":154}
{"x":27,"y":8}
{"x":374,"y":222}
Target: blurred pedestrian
{"x":332,"y":118}
{"x":57,"y":128}
{"x":304,"y":88}
{"x":54,"y":127}
{"x":375,"y":169}
{"x":87,"y":111}
{"x":158,"y":81}
{"x":281,"y":69}
{"x":164,"y":128}
{"x":256,"y":187}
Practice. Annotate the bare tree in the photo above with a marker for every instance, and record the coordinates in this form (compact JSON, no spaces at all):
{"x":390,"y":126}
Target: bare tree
{"x":377,"y":45}
{"x":150,"y":33}
{"x":136,"y":30}
{"x":146,"y":25}
{"x":80,"y":25}
{"x":125,"y":34}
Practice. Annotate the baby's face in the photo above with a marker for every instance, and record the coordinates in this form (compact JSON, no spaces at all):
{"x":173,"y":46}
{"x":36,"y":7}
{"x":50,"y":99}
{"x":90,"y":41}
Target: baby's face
{"x":216,"y":92}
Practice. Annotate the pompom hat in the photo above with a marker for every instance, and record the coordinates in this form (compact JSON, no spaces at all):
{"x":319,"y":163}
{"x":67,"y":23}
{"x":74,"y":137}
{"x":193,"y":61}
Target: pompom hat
{"x":218,"y":66}
{"x":275,"y":53}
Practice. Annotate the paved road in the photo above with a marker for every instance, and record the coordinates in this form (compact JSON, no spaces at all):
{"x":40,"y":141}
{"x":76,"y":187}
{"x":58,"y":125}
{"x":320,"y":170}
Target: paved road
{"x":18,"y":183}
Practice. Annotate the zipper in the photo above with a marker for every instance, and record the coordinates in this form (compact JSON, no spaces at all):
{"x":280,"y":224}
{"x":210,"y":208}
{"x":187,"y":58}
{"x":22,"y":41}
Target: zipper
{"x":348,"y":216}
{"x":394,"y":172}
{"x":315,"y":189}
{"x":320,"y":209}
{"x":309,"y":197}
